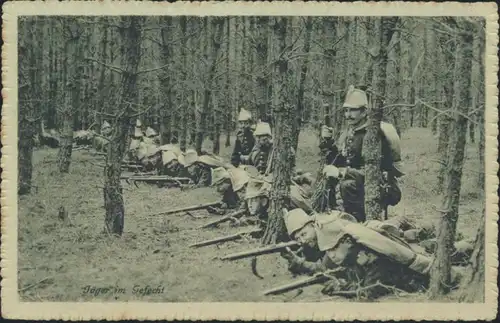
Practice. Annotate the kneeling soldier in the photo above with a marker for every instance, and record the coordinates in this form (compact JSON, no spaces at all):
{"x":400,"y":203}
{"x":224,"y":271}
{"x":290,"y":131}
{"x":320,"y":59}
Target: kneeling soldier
{"x":245,"y":140}
{"x":348,"y":167}
{"x":261,"y":152}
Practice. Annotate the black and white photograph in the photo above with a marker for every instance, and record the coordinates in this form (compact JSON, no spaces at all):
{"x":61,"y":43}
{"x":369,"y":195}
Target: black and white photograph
{"x":187,"y":158}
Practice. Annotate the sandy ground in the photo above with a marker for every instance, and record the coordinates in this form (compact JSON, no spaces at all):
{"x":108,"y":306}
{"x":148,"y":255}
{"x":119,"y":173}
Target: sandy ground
{"x":60,"y":261}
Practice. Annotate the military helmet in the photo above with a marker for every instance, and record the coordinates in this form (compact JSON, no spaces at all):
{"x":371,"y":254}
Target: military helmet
{"x":168,"y":156}
{"x":256,"y":188}
{"x":244,"y":115}
{"x":142,"y":151}
{"x":105,"y":125}
{"x":239,"y":177}
{"x":218,"y":175}
{"x":150,"y":132}
{"x":138,"y":123}
{"x":152,"y":150}
{"x":210,"y":161}
{"x":171,"y":147}
{"x":330,"y":234}
{"x":190,"y":157}
{"x":355,"y":98}
{"x":138,"y":133}
{"x":296,"y":219}
{"x":263,"y":129}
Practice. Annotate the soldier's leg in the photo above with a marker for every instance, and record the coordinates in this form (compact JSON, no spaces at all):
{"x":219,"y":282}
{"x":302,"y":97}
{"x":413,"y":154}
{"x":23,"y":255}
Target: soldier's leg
{"x":352,"y":193}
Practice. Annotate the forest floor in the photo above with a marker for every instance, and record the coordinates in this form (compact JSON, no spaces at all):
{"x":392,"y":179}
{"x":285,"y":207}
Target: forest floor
{"x":56,"y":261}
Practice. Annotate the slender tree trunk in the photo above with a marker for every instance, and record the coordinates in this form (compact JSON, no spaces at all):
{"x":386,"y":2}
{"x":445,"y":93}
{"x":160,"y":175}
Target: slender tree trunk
{"x":27,"y":123}
{"x":299,"y":113}
{"x":281,"y":166}
{"x":372,"y":143}
{"x":166,"y":109}
{"x":441,"y":268}
{"x":262,"y":52}
{"x":113,"y":192}
{"x":473,"y":284}
{"x":73,"y":70}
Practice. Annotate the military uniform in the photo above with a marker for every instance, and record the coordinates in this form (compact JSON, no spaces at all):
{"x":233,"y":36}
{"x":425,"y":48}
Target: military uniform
{"x":373,"y":257}
{"x":260,"y":154}
{"x":347,"y":153}
{"x":245,"y":142}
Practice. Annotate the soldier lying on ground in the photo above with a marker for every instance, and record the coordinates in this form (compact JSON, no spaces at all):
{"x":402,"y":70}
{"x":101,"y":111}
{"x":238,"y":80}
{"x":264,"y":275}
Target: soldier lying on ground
{"x":149,"y":156}
{"x":245,"y":140}
{"x":346,"y":157}
{"x":372,"y":261}
{"x":303,"y":228}
{"x":257,"y":197}
{"x":172,"y":164}
{"x":198,"y":168}
{"x":231,"y":183}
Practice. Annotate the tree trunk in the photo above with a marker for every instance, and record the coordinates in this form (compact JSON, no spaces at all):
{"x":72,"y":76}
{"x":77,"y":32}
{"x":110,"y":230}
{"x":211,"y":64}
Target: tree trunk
{"x":262,"y":78}
{"x":473,"y":283}
{"x":73,"y":70}
{"x":281,"y":166}
{"x":299,"y":112}
{"x":166,"y":109}
{"x":319,"y":199}
{"x":27,"y":123}
{"x":446,"y":229}
{"x":372,"y":142}
{"x":113,"y":192}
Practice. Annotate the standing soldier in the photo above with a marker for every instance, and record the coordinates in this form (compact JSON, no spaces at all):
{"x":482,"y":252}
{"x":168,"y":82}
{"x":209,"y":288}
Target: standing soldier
{"x":260,"y":154}
{"x":348,"y":164}
{"x":245,"y":140}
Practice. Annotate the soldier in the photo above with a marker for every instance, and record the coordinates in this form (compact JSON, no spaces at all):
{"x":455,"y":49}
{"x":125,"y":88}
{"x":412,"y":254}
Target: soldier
{"x":151,"y":136}
{"x":261,"y":152}
{"x":372,"y":262}
{"x":172,"y":163}
{"x":245,"y":140}
{"x":348,"y":164}
{"x":149,"y":156}
{"x":303,"y":228}
{"x":231,"y":183}
{"x":199,"y":167}
{"x":106,"y":129}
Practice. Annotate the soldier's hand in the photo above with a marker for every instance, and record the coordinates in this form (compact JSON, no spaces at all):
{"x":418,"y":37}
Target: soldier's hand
{"x":331,"y":286}
{"x":292,"y":258}
{"x":326,"y":132}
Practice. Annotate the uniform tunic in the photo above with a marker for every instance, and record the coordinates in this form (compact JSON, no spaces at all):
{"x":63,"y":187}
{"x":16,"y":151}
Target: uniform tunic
{"x":245,"y":142}
{"x":259,"y":157}
{"x":348,"y":152}
{"x":200,"y":175}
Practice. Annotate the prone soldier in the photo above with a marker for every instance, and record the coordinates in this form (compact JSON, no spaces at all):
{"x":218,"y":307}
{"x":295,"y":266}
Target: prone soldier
{"x":199,"y":168}
{"x":348,"y":164}
{"x":231,"y":183}
{"x":245,"y":140}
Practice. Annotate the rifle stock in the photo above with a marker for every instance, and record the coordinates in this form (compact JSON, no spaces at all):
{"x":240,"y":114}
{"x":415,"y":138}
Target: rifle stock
{"x":316,"y":279}
{"x":232,"y":237}
{"x":223,"y":219}
{"x":261,"y":251}
{"x":189,"y":208}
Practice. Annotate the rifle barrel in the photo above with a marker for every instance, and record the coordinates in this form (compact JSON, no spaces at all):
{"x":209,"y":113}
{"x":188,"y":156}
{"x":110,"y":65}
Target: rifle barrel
{"x":189,"y":208}
{"x":260,"y":251}
{"x":316,"y":279}
{"x":232,"y":237}
{"x":222,"y":219}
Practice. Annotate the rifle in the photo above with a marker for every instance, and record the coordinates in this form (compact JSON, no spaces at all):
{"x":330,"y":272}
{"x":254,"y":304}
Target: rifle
{"x":189,"y":208}
{"x":232,"y":237}
{"x":223,"y":219}
{"x":316,"y":279}
{"x":261,"y":251}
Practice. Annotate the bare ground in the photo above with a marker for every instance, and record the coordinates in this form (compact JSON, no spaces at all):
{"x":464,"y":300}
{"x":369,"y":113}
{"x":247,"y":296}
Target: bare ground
{"x":58,"y":260}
